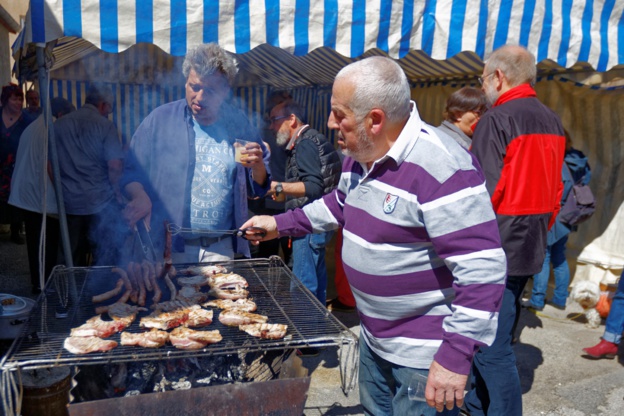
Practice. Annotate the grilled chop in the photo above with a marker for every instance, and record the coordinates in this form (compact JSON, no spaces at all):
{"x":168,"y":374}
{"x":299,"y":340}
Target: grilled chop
{"x":247,"y":305}
{"x":85,"y":345}
{"x":225,"y":281}
{"x":198,"y":317}
{"x":265,"y":331}
{"x":172,"y":305}
{"x":233,"y":317}
{"x":235,"y":293}
{"x":204,"y":270}
{"x":191,"y":294}
{"x":151,"y":339}
{"x":165,"y":320}
{"x":124,"y":312}
{"x":96,"y":327}
{"x":189,"y":339}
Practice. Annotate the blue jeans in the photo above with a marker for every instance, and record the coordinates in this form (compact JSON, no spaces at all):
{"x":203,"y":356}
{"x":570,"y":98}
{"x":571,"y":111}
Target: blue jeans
{"x":308,"y":254}
{"x":496,"y":384}
{"x":383,"y":388}
{"x":556,"y":255}
{"x":615,"y":321}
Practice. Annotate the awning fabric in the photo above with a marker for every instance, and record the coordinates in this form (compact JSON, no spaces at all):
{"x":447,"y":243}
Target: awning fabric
{"x":563,"y":31}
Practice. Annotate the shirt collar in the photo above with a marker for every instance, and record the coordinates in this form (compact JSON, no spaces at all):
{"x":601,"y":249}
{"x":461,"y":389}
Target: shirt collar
{"x":405,"y":142}
{"x":520,"y":91}
{"x":293,"y":139}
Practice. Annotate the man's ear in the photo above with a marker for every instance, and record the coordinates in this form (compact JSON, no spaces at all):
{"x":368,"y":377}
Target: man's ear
{"x":375,"y":120}
{"x":500,"y":79}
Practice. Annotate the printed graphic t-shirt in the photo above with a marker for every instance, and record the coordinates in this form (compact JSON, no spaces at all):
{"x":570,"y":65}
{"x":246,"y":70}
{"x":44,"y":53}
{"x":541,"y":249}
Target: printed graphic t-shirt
{"x":212,"y":193}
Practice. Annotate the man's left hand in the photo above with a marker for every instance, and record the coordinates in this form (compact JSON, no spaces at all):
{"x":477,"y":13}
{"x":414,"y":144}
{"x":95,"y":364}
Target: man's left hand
{"x":444,"y":388}
{"x":253,"y":160}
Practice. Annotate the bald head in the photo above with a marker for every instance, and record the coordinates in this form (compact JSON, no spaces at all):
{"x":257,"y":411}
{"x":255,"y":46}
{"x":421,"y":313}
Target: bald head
{"x":515,"y":62}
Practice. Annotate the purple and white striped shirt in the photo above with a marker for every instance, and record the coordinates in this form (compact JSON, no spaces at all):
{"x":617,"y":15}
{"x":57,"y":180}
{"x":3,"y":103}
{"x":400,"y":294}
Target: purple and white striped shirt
{"x":421,"y":249}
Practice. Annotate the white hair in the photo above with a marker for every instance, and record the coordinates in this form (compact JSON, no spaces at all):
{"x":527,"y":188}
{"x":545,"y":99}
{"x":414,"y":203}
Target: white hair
{"x":378,"y":82}
{"x":516,"y":62}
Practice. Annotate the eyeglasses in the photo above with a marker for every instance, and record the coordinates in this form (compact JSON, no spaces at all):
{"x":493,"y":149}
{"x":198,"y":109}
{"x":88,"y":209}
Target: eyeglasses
{"x":272,"y":120}
{"x":481,"y":79}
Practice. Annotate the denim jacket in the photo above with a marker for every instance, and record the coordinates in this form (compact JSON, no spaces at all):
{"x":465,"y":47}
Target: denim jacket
{"x":162,"y":158}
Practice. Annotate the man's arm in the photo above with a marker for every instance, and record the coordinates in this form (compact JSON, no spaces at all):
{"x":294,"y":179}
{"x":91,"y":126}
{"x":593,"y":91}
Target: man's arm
{"x":295,"y":189}
{"x":139,"y":205}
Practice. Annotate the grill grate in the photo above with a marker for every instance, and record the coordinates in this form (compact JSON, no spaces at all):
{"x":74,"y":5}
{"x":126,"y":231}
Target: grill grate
{"x":277,"y":293}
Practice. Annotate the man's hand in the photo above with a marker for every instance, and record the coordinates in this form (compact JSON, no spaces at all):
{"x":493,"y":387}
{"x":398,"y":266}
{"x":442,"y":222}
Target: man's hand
{"x":444,"y":387}
{"x":253,"y":160}
{"x":263,"y":221}
{"x":140,"y":205}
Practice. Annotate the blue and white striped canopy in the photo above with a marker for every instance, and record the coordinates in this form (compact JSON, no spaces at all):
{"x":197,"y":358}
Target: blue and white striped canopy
{"x":566,"y":32}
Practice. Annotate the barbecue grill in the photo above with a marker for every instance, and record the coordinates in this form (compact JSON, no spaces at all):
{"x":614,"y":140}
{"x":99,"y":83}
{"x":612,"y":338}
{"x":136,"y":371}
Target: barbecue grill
{"x":276,"y":291}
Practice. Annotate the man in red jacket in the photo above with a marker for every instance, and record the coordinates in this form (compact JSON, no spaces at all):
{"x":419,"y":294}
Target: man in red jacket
{"x":520,"y":145}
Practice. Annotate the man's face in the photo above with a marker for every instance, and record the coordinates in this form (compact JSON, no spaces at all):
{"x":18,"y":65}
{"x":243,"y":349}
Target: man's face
{"x":279,"y":126}
{"x":489,"y":85}
{"x":32,"y":99}
{"x":204,"y":96}
{"x":353,"y":138}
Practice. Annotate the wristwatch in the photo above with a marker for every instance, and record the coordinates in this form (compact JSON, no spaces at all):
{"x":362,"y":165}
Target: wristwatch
{"x":278,"y":189}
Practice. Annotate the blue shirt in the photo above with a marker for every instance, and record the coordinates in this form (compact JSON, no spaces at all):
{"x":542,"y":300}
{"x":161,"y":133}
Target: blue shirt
{"x":162,"y":159}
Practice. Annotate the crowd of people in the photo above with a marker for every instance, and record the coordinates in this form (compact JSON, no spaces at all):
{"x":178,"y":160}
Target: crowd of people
{"x":439,"y":229}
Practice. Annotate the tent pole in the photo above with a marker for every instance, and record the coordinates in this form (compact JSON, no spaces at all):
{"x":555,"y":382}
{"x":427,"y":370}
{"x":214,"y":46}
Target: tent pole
{"x":42,"y":74}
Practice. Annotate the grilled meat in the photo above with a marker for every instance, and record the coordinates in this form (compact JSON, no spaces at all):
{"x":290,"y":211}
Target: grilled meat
{"x":204,"y":270}
{"x":191,"y":293}
{"x":198,"y":317}
{"x":265,"y":331}
{"x":151,"y":339}
{"x":235,"y":293}
{"x":124,"y":312}
{"x":225,"y":281}
{"x":96,"y":327}
{"x":247,"y":305}
{"x":85,"y":345}
{"x":165,"y":320}
{"x":173,"y":305}
{"x":233,"y":317}
{"x":110,"y":294}
{"x":189,"y":339}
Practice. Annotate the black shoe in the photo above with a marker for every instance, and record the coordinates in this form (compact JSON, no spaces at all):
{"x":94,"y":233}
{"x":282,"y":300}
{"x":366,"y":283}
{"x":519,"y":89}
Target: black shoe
{"x":337,"y":306}
{"x":555,"y":305}
{"x":308,"y":352}
{"x":17,"y":239}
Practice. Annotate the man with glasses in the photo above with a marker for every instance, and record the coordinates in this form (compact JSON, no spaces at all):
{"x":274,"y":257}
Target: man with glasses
{"x":312,"y":170}
{"x":91,"y":161}
{"x":520,"y":145}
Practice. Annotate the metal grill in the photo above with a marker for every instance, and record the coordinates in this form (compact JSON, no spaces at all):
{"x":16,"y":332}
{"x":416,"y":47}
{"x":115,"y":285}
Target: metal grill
{"x":277,"y":293}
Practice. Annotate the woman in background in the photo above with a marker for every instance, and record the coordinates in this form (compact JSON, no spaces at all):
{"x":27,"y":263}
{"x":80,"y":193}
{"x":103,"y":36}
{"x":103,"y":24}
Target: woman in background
{"x":13,"y":124}
{"x":463,"y":109}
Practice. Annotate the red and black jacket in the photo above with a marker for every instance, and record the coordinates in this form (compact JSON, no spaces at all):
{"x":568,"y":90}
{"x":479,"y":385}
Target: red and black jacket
{"x":520,"y":145}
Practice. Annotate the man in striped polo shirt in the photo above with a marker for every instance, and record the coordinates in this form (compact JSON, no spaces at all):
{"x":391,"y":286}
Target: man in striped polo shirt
{"x":421,"y":246}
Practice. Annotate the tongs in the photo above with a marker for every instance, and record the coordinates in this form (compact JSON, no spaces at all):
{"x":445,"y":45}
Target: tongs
{"x":244,"y":232}
{"x":146,"y":241}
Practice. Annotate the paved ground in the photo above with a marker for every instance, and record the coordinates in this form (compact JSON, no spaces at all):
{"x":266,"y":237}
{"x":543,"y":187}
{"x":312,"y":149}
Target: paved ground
{"x":556,"y":379}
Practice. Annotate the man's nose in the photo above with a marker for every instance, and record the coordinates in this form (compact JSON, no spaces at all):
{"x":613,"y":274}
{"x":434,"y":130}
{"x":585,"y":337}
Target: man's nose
{"x":331,"y":122}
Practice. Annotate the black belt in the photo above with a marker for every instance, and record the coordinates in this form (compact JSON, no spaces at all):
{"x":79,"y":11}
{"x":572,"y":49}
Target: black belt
{"x":204,"y":241}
